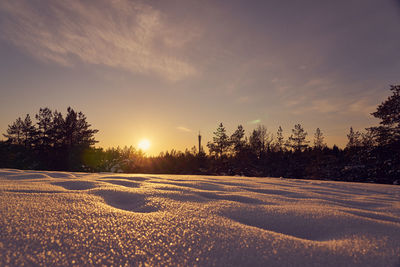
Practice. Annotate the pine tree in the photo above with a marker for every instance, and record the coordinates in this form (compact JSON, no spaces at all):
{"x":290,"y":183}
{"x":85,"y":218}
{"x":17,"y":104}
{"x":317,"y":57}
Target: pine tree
{"x":221,"y":142}
{"x":256,"y":142}
{"x":237,"y":140}
{"x":297,"y":141}
{"x":45,"y":124}
{"x":14,"y":132}
{"x":319,"y":139}
{"x":71,"y":136}
{"x":353,"y":139}
{"x":28,"y":131}
{"x":58,"y":143}
{"x":389,"y":113}
{"x":71,"y":127}
{"x":85,"y":134}
{"x":57,"y":132}
{"x":367,"y":140}
{"x":386,"y":152}
{"x":260,"y":141}
{"x":280,"y":140}
{"x":76,"y":130}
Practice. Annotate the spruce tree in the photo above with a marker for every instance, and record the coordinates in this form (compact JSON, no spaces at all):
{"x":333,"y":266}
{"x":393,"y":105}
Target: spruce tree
{"x":319,"y":139}
{"x":297,"y":141}
{"x":237,"y":140}
{"x":221,"y":142}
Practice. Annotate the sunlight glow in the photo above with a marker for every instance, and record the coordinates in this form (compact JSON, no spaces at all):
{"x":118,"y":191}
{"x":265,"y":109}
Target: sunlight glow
{"x":144,"y":144}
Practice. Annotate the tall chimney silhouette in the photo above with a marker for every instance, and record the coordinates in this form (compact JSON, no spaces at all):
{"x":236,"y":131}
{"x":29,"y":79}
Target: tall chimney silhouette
{"x":199,"y":143}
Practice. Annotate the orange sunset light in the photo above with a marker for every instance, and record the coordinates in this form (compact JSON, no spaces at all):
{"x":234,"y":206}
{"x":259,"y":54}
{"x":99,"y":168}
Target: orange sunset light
{"x":144,"y":144}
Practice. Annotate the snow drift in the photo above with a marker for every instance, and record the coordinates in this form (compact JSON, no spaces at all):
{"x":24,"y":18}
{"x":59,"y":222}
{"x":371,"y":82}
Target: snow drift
{"x":60,"y":218}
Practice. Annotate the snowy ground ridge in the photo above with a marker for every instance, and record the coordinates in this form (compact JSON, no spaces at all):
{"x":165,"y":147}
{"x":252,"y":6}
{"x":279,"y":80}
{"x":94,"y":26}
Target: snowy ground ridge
{"x":65,"y":218}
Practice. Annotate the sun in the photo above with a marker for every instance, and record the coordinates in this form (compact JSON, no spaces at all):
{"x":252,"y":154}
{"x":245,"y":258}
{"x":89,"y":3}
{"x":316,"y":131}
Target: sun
{"x":144,"y":144}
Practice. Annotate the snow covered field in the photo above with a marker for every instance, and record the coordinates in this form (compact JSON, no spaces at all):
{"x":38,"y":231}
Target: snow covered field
{"x":61,"y":218}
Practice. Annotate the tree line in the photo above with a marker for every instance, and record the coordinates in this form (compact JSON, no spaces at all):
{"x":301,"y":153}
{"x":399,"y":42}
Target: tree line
{"x":56,"y":142}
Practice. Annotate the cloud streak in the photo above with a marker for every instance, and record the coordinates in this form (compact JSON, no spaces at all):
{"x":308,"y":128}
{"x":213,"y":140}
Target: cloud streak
{"x":255,"y":121}
{"x":119,"y":34}
{"x":184,"y":129}
{"x":325,"y":106}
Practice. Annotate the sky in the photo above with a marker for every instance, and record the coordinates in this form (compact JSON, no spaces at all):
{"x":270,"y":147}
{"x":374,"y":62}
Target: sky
{"x":166,"y":69}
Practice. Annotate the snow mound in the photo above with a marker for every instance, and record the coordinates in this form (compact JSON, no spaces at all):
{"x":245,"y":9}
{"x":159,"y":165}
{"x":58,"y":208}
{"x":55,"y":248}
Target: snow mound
{"x":62,"y":218}
{"x":76,"y":185}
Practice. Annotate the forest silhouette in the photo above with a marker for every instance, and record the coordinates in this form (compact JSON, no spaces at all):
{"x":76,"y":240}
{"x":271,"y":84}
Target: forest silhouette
{"x":61,"y":143}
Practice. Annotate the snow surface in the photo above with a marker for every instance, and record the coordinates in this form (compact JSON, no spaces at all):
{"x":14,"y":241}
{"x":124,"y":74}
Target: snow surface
{"x":62,"y":218}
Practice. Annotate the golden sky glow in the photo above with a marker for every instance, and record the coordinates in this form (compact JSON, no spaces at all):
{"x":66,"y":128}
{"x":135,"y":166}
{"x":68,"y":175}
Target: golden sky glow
{"x":167,"y":69}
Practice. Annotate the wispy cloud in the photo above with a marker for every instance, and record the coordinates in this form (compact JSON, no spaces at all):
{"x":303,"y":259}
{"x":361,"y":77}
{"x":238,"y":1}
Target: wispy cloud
{"x":363,"y":106}
{"x":255,"y":121}
{"x":325,"y":106}
{"x":183,"y":129}
{"x":318,"y":95}
{"x":120,"y":34}
{"x":334,"y":106}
